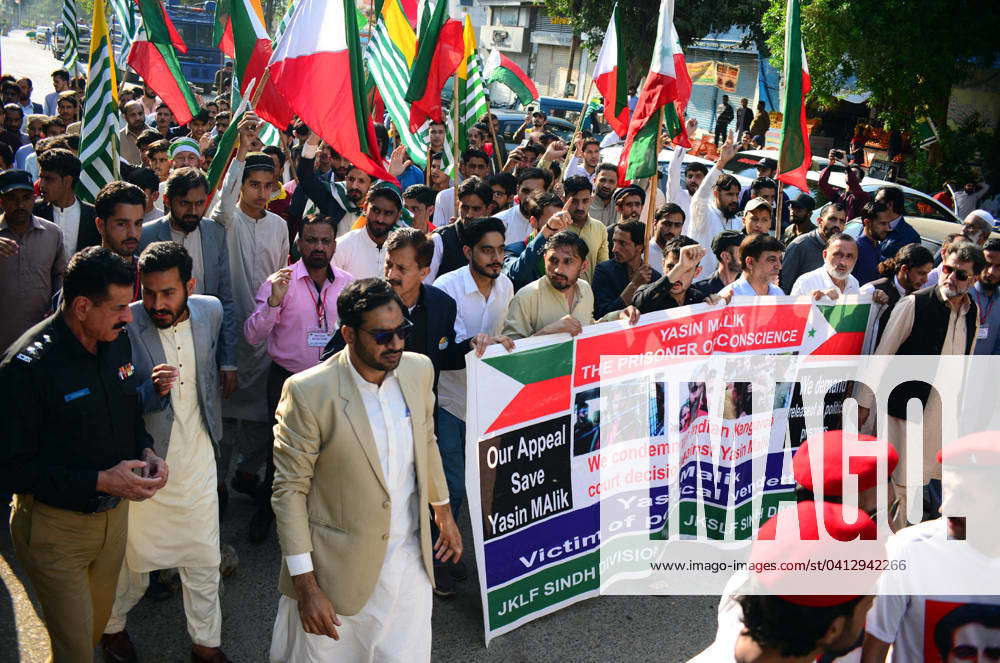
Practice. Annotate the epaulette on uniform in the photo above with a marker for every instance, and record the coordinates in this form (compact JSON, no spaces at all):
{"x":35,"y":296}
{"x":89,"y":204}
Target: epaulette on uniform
{"x":36,"y":349}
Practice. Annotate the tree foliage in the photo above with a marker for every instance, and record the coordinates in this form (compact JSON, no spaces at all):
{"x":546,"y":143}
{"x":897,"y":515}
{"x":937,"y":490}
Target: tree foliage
{"x":950,"y":158}
{"x":693,"y":19}
{"x":906,"y":54}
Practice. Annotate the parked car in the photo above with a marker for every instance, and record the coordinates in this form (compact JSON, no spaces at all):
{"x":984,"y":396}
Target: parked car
{"x":612,"y":154}
{"x":42,"y":34}
{"x":932,"y":220}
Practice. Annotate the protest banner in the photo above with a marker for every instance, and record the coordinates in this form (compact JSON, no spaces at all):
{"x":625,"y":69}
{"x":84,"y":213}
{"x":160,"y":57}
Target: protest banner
{"x":726,"y":76}
{"x":702,"y":73}
{"x":539,"y":447}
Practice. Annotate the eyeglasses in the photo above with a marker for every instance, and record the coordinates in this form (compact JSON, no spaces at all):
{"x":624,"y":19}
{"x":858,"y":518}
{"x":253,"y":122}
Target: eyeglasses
{"x":383,"y":337}
{"x":960,"y":274}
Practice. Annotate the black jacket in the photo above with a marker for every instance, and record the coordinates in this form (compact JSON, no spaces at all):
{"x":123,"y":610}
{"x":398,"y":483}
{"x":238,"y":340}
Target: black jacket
{"x":66,"y":414}
{"x":87,"y":236}
{"x":655,"y":296}
{"x":434,"y":335}
{"x":888,"y":286}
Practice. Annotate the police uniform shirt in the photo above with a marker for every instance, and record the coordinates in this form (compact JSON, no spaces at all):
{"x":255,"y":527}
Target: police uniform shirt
{"x":66,"y":414}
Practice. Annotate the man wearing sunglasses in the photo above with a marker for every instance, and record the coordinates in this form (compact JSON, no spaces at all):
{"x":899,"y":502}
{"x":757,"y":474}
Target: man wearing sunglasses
{"x":939,"y":320}
{"x":356,"y":465}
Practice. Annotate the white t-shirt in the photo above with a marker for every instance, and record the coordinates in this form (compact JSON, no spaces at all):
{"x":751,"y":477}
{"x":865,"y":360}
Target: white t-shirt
{"x":907,"y":619}
{"x":741,"y":287}
{"x":357,"y":254}
{"x":518,"y":227}
{"x":444,"y":207}
{"x":819,"y":279}
{"x":475,"y":315}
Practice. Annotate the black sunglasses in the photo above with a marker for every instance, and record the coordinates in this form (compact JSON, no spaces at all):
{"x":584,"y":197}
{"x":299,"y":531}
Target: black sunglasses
{"x":960,"y":274}
{"x":384,"y":337}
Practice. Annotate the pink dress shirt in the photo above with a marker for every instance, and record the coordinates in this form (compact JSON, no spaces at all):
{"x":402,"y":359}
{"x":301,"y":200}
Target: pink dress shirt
{"x":303,"y":310}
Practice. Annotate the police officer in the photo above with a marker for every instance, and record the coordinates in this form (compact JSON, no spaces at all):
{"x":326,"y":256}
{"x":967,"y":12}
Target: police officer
{"x":74,"y":449}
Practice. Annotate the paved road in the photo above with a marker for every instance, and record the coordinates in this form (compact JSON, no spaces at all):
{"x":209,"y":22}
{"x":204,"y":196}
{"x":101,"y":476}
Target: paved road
{"x":615,"y":628}
{"x":22,"y":57}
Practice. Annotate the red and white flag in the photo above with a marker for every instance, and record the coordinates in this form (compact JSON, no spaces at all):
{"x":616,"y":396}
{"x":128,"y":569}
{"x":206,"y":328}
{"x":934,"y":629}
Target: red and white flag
{"x":317,"y":67}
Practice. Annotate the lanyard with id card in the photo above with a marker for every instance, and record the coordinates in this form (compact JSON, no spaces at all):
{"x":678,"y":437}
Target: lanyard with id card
{"x":983,"y":330}
{"x":320,"y":336}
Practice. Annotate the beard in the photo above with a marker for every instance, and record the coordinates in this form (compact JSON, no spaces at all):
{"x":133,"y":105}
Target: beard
{"x":950,"y":292}
{"x":164,"y":318}
{"x":559,"y":282}
{"x":378,"y":230}
{"x":838,"y":274}
{"x":315,"y":260}
{"x":187,"y":223}
{"x":730,"y":210}
{"x":483,"y":270}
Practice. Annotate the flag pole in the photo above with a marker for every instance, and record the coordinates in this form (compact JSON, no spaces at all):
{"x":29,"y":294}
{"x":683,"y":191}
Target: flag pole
{"x":654,"y":182}
{"x":784,"y":122}
{"x":427,"y":166}
{"x":258,"y":90}
{"x":454,"y":148}
{"x":579,"y":124}
{"x":498,"y":167}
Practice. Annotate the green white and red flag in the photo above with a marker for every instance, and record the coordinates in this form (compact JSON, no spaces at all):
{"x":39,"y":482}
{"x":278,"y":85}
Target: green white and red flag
{"x":609,"y":77}
{"x":154,"y":57}
{"x":638,"y":158}
{"x":440,"y":49}
{"x":501,"y":69}
{"x":239,"y":27}
{"x":317,"y":67}
{"x":794,"y":154}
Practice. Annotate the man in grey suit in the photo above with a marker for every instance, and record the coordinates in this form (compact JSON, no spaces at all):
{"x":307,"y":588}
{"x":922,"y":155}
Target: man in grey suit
{"x":174,"y":334}
{"x":205,"y":241}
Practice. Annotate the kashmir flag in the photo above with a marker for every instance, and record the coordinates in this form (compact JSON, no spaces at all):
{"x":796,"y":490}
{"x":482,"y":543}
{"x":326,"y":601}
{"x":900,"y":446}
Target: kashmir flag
{"x":98,"y":131}
{"x":501,"y":69}
{"x":154,"y":57}
{"x":390,"y":51}
{"x":317,"y":67}
{"x":440,"y":50}
{"x":472,"y":104}
{"x":251,"y":51}
{"x":609,"y":77}
{"x":126,"y":14}
{"x":71,"y":52}
{"x":639,"y":157}
{"x":794,"y":155}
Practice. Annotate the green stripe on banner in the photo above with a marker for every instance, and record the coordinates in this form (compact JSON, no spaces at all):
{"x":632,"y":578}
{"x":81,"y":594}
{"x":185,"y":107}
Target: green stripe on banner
{"x":717,"y":518}
{"x":846,"y":318}
{"x":527,"y":366}
{"x":642,"y":156}
{"x":543,"y":589}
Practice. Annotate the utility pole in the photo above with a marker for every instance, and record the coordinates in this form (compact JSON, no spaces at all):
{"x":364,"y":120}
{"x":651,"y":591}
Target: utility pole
{"x":573,"y":46}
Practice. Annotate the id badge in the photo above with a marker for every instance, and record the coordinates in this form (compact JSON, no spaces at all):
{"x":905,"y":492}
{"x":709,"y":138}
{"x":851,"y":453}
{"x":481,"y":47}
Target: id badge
{"x":317,"y":338}
{"x":982,"y":332}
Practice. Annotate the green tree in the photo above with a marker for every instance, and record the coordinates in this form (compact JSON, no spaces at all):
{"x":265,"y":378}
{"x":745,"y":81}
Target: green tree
{"x":906,"y":54}
{"x":692,"y":18}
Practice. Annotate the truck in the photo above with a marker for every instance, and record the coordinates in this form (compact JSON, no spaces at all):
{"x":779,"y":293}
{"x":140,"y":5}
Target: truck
{"x":196,"y":23}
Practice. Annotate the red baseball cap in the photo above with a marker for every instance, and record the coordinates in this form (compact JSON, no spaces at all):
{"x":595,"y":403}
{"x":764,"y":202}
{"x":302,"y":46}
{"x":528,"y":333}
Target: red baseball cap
{"x":807,"y":547}
{"x":864,"y":466}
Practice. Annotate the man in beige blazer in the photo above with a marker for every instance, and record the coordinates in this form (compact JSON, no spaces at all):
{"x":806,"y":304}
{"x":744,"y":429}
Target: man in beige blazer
{"x":356,"y":464}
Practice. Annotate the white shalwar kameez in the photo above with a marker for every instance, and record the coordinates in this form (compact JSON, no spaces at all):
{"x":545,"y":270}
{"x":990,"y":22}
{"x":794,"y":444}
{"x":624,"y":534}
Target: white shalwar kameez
{"x":178,"y":527}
